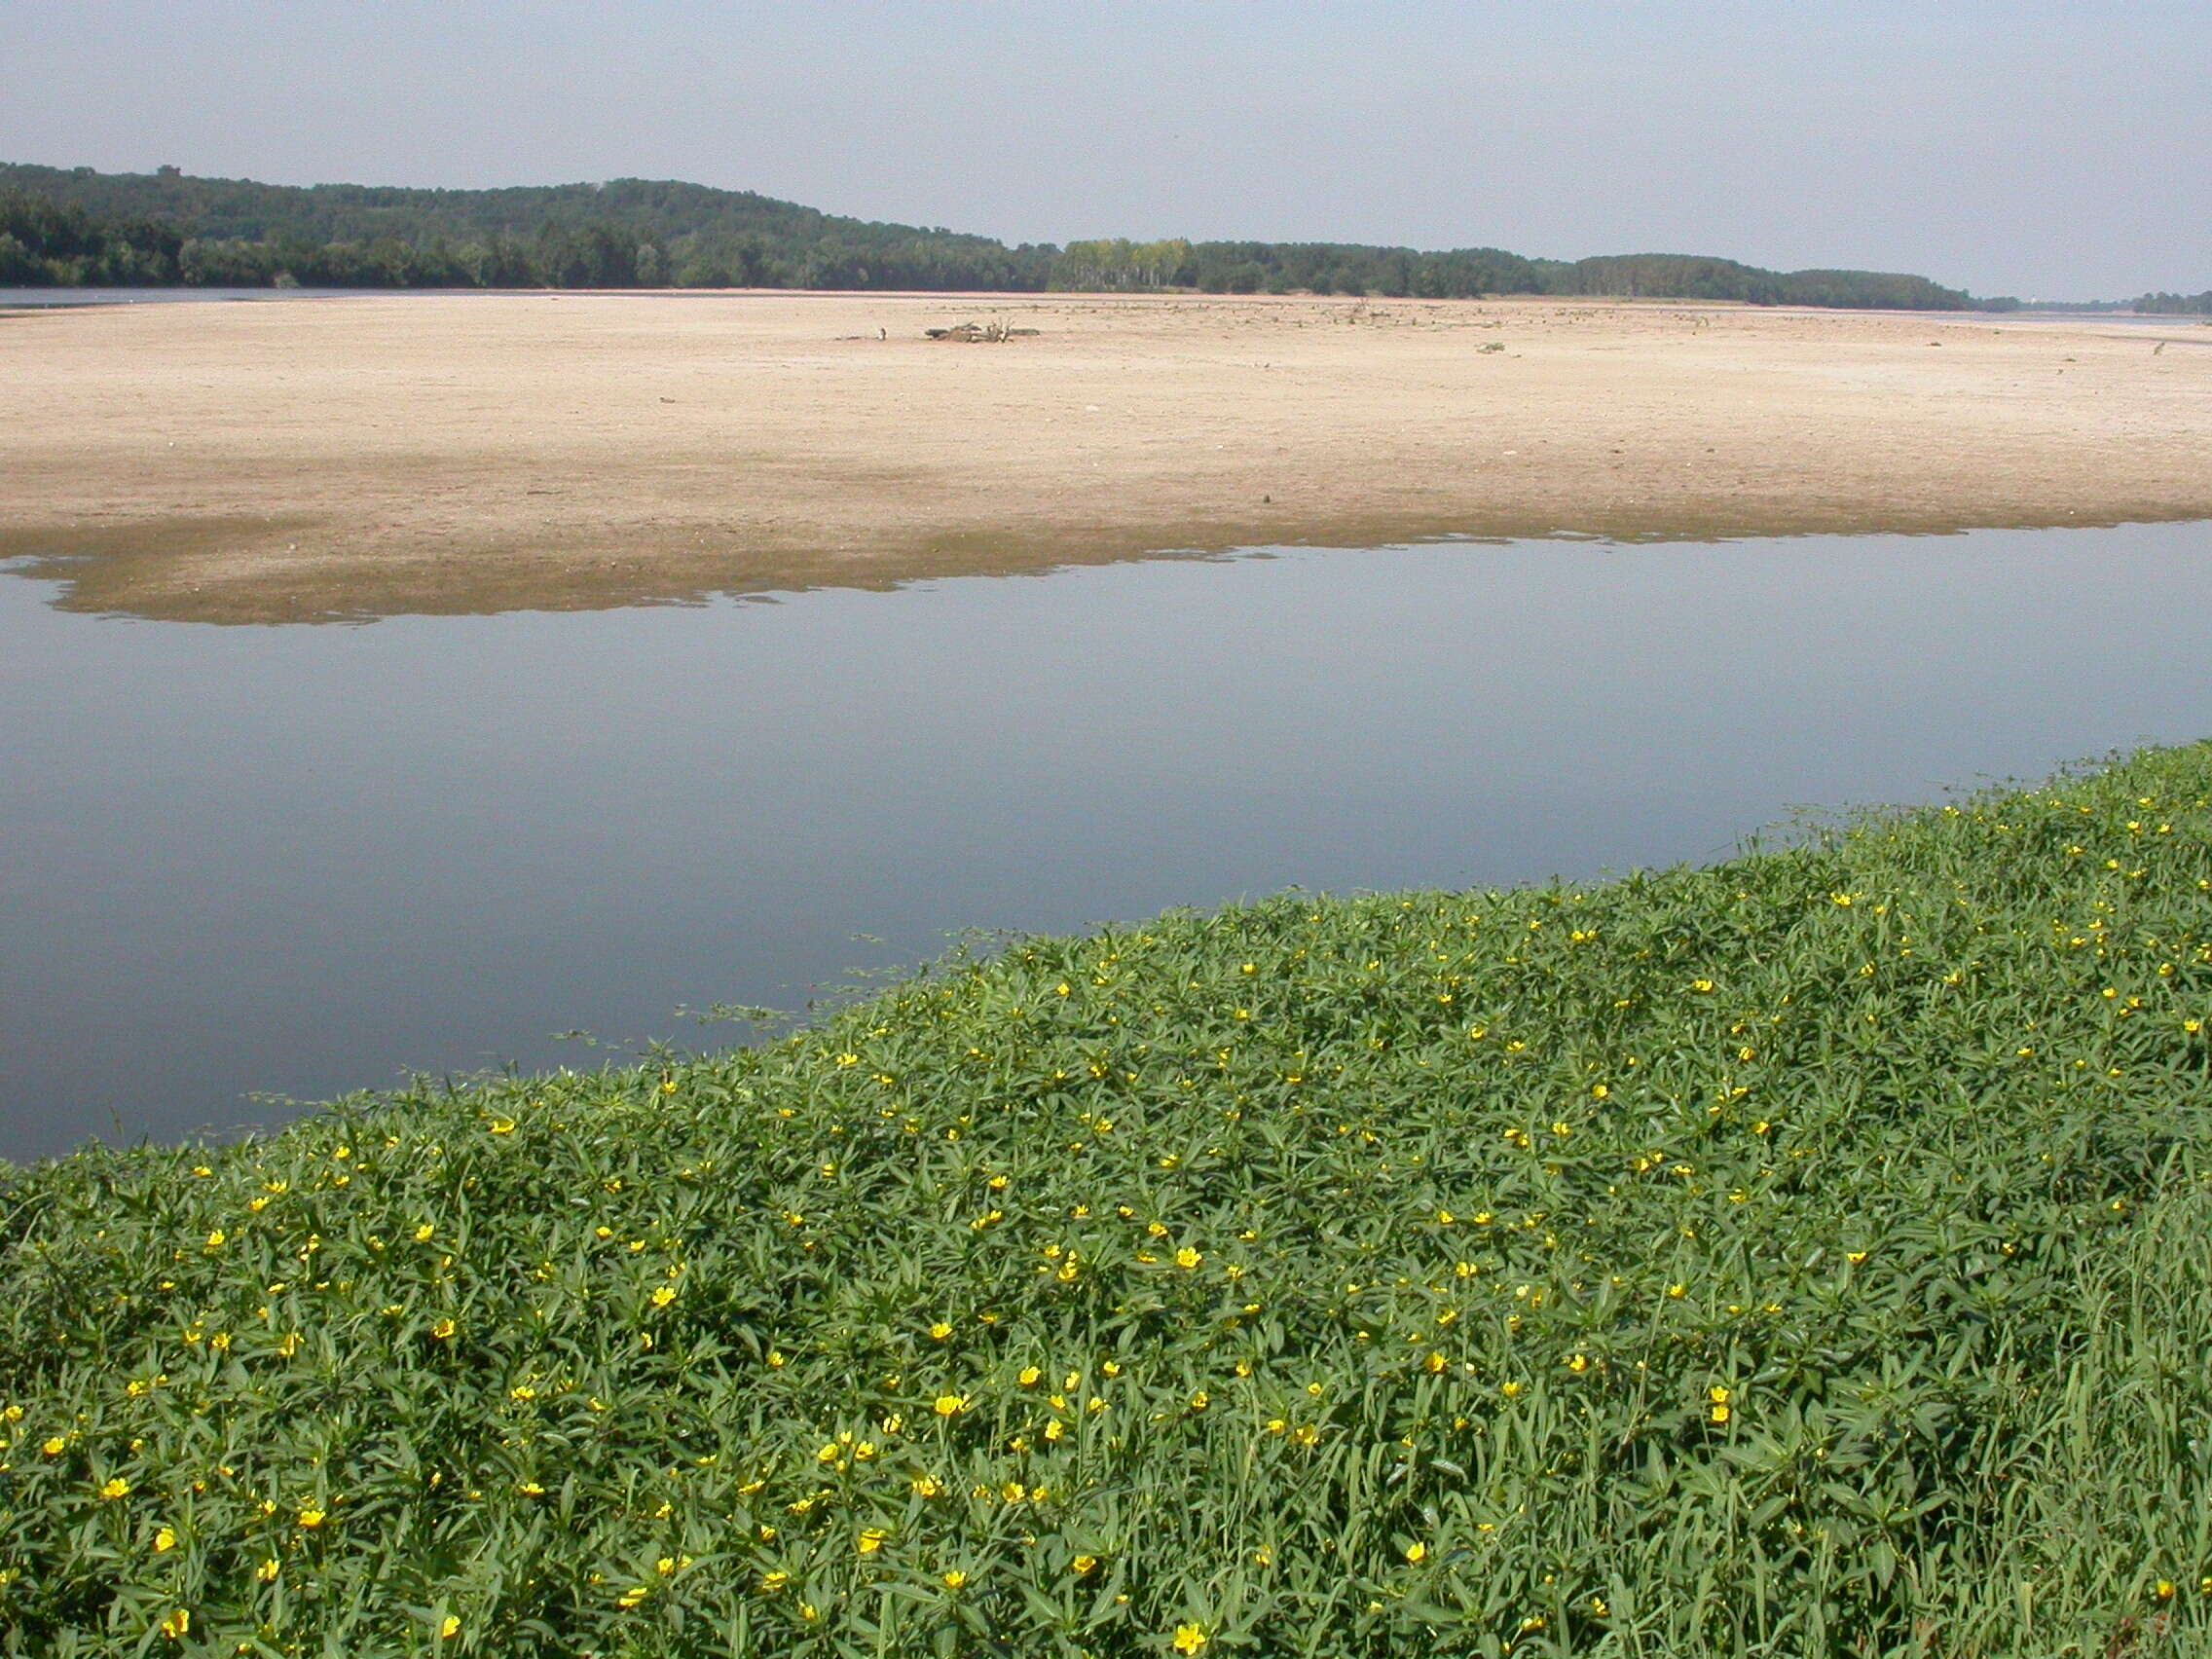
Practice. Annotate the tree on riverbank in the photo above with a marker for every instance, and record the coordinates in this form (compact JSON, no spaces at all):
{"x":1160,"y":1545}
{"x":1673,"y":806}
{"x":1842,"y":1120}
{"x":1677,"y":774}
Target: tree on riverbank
{"x":78,"y":227}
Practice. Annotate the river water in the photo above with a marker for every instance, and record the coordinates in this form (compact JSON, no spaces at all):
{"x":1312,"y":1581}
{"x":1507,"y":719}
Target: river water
{"x":297,"y":861}
{"x":43,"y":299}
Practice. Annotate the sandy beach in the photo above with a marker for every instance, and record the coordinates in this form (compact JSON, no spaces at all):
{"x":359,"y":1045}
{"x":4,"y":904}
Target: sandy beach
{"x":380,"y":456}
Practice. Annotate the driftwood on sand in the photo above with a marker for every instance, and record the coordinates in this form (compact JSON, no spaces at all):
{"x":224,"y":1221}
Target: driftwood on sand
{"x":990,"y":333}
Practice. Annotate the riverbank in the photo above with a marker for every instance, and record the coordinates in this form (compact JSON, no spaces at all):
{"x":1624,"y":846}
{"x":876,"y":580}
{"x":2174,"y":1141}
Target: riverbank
{"x":1806,"y":1252}
{"x":437,"y":454}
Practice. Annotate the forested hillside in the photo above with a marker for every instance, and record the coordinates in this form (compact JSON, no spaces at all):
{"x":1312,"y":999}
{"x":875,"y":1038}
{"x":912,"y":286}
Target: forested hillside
{"x":79,"y":227}
{"x":628,"y":232}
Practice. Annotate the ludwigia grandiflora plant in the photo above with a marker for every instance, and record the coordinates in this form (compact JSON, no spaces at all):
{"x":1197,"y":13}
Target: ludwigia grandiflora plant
{"x":1811,"y":1255}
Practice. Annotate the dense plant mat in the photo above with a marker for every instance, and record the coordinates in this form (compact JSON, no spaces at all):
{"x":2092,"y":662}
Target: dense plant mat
{"x":1810,"y":1255}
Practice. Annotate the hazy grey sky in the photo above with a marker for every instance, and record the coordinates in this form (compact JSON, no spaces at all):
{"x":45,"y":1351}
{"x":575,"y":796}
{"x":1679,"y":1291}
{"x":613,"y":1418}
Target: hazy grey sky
{"x":2058,"y":150}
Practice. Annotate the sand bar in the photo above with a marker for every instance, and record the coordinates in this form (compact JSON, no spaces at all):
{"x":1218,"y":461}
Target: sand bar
{"x":377,"y":455}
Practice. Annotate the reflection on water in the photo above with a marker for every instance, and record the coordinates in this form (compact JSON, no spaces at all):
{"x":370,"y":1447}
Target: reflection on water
{"x":303,"y":859}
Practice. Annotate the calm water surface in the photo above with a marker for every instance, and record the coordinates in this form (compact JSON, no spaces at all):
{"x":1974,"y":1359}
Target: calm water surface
{"x":298,"y":861}
{"x":41,"y":299}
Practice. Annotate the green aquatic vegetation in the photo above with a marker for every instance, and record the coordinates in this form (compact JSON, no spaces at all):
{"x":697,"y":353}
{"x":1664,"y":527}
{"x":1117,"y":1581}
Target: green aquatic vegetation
{"x":1807,"y":1255}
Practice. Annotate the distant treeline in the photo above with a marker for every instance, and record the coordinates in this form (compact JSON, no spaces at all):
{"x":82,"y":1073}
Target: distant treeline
{"x":76,"y":227}
{"x":1339,"y":268}
{"x":1292,"y":268}
{"x":84,"y":228}
{"x":2177,"y":305}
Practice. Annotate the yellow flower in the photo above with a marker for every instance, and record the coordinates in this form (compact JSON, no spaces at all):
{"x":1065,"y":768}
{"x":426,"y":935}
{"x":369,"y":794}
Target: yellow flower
{"x":662,"y":1296}
{"x":939,"y":1331}
{"x":164,"y":1541}
{"x":54,"y":1447}
{"x":771,"y":1582}
{"x":1417,"y":1553}
{"x":1187,"y":1257}
{"x":422,"y":1234}
{"x":266,"y":1571}
{"x":312,"y":1517}
{"x":216,"y":1240}
{"x":926,"y":1486}
{"x":502,"y":1125}
{"x":1085,"y":1565}
{"x":1719,"y":1414}
{"x":872,"y":1541}
{"x":954,"y":1579}
{"x":450,"y":1629}
{"x":1188,"y":1639}
{"x":1012,"y":1492}
{"x":177,"y":1624}
{"x":1199,"y":1401}
{"x":1029,"y":1377}
{"x":442,"y":1330}
{"x":949,"y":1405}
{"x":116,"y":1486}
